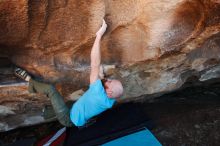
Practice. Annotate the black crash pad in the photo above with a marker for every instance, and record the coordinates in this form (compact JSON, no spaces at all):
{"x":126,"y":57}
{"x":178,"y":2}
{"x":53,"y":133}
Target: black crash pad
{"x":113,"y":123}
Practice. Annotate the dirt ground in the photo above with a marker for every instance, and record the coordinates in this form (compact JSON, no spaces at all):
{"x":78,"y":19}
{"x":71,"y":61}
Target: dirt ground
{"x":188,"y":125}
{"x":189,"y":117}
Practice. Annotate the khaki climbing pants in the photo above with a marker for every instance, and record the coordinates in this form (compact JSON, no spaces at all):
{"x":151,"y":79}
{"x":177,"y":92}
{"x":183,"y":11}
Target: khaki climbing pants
{"x":59,"y":106}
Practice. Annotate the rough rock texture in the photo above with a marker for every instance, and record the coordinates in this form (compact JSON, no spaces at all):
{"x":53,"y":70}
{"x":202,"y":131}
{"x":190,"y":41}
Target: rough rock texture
{"x":157,"y":46}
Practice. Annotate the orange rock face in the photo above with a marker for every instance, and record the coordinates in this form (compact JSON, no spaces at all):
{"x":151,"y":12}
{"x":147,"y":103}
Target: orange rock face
{"x":156,"y":45}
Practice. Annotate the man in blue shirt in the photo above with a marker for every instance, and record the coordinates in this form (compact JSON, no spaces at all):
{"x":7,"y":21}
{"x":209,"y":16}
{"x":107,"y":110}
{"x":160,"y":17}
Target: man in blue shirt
{"x":98,"y":98}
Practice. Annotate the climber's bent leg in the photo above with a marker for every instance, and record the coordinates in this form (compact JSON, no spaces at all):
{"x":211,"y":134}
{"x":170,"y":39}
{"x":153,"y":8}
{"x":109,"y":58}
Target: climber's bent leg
{"x":61,"y":110}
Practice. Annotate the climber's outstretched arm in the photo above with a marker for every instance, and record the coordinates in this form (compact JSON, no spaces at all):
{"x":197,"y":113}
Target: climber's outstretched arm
{"x":96,"y":54}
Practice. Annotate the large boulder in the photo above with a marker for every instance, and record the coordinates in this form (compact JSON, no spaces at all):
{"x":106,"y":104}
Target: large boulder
{"x":154,"y":47}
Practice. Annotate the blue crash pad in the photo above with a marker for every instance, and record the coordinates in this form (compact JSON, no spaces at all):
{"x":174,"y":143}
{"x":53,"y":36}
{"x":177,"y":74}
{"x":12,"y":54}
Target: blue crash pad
{"x":140,"y":138}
